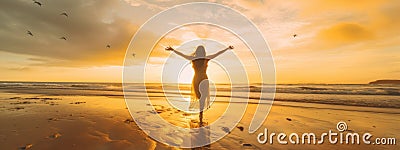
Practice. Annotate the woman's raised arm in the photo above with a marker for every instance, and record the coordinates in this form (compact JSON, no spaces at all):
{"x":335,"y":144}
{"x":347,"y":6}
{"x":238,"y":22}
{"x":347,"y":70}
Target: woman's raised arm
{"x":219,"y":53}
{"x":169,"y":48}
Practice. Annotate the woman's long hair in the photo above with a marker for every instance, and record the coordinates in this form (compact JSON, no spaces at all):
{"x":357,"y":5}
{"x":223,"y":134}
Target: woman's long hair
{"x":200,"y":52}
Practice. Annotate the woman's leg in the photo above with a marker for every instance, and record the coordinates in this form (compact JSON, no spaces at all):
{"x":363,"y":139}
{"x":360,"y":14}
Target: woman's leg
{"x":204,"y":94}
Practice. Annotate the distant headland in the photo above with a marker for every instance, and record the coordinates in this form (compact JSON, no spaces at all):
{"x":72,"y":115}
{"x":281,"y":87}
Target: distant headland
{"x":385,"y":82}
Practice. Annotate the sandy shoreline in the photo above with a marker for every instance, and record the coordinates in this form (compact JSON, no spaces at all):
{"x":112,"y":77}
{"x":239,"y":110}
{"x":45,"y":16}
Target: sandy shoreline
{"x":99,"y":122}
{"x":69,"y":122}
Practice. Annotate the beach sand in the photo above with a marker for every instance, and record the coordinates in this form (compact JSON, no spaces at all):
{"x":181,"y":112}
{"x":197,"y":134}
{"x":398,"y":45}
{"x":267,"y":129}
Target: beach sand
{"x":69,"y":122}
{"x":37,"y":121}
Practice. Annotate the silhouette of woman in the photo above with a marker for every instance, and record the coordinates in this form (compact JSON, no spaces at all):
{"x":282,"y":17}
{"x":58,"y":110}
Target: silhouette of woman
{"x":200,"y":85}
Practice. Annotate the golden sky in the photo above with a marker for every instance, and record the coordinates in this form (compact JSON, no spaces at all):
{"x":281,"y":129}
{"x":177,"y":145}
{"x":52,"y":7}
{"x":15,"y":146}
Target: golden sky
{"x":339,"y":41}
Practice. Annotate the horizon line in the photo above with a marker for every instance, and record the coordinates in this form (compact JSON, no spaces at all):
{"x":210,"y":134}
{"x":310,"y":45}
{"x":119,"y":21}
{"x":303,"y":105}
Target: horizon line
{"x":167,"y":83}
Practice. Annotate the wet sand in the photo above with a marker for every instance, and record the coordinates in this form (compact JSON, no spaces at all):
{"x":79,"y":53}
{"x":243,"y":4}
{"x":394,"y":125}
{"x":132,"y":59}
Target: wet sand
{"x":36,"y":121}
{"x":69,"y":122}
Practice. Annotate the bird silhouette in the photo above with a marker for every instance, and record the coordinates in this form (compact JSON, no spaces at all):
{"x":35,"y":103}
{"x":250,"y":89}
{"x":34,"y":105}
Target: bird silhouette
{"x":134,"y":55}
{"x":294,"y":35}
{"x":29,"y":32}
{"x":63,"y":38}
{"x":108,"y":46}
{"x":36,"y":2}
{"x":64,"y":14}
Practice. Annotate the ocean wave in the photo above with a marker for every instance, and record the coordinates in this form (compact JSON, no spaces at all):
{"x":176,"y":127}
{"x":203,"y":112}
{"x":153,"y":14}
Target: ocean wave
{"x":289,"y":88}
{"x":387,"y":96}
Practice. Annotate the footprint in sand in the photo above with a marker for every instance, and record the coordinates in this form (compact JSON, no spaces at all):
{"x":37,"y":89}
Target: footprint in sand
{"x":152,"y":111}
{"x":240,"y":128}
{"x":52,"y":119}
{"x":247,"y":146}
{"x":55,"y":135}
{"x":27,"y":146}
{"x":225,"y":129}
{"x":186,"y":114}
{"x":159,"y":111}
{"x":128,"y":121}
{"x":16,"y":108}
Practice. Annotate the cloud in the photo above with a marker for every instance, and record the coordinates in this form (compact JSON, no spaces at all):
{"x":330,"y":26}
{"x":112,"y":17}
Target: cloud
{"x":89,"y":28}
{"x":133,"y":3}
{"x":331,"y":25}
{"x":354,"y":33}
{"x":156,"y":5}
{"x":18,"y":68}
{"x":343,"y":33}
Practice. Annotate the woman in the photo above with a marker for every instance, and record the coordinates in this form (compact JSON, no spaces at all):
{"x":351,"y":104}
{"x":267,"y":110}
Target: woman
{"x":200,"y":84}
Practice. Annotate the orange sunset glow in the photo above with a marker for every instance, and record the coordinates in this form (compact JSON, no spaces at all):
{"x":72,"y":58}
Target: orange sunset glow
{"x":337,"y":41}
{"x":199,"y":74}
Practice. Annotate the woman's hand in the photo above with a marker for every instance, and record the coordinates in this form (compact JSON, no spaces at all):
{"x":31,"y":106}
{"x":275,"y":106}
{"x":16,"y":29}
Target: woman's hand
{"x":169,"y":48}
{"x":230,"y":47}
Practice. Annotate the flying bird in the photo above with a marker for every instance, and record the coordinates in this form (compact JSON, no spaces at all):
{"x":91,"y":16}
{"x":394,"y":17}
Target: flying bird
{"x":294,"y":35}
{"x":64,"y":14}
{"x":63,"y":38}
{"x":134,"y":55}
{"x":29,"y":32}
{"x":108,"y":46}
{"x":36,"y":2}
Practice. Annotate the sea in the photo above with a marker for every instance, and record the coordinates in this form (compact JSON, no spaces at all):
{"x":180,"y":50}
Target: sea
{"x":363,"y":95}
